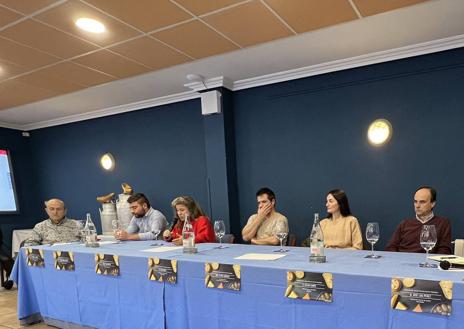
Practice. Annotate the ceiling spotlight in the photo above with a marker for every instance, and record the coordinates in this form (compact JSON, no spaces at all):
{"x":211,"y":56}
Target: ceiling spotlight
{"x":90,"y":25}
{"x":379,"y":132}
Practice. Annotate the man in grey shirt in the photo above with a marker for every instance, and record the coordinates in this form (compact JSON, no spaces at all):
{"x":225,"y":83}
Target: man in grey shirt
{"x":146,"y":224}
{"x":56,"y":229}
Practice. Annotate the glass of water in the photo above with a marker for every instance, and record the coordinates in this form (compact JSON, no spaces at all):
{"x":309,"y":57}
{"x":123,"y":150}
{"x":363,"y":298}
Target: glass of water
{"x":80,"y":227}
{"x":220,"y":231}
{"x":428,"y":239}
{"x":281,"y":233}
{"x":372,"y":236}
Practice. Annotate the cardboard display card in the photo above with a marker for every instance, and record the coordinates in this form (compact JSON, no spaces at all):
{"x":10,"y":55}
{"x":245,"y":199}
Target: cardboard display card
{"x":162,"y":270}
{"x":106,"y":264}
{"x":222,"y":276}
{"x":64,"y":260}
{"x":309,"y":285}
{"x":422,"y":296}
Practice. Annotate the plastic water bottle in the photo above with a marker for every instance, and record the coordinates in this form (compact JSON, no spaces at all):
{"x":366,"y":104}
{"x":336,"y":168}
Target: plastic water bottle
{"x":317,"y":242}
{"x":90,"y":233}
{"x":188,"y":237}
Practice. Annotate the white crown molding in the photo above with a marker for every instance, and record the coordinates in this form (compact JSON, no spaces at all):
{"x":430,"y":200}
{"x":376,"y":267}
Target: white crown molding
{"x":9,"y":126}
{"x":353,"y":62}
{"x":113,"y":110}
{"x":338,"y":65}
{"x":210,"y":84}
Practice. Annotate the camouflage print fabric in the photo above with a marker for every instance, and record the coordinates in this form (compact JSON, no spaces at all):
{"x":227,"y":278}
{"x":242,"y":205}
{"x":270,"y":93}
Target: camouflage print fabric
{"x":47,"y":232}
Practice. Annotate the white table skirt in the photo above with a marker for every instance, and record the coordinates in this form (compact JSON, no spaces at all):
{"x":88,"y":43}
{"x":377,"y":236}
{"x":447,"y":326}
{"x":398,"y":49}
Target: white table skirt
{"x":18,"y":236}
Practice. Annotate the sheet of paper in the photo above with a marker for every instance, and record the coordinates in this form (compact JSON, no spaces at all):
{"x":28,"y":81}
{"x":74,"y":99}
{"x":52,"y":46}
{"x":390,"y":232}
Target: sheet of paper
{"x":260,"y":256}
{"x":162,"y":249}
{"x":452,"y":269}
{"x":450,"y":258}
{"x":107,"y":242}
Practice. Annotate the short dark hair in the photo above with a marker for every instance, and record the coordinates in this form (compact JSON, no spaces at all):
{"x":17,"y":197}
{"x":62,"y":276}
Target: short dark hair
{"x":140,"y":198}
{"x":433,"y":192}
{"x":268,"y":191}
{"x":342,"y":201}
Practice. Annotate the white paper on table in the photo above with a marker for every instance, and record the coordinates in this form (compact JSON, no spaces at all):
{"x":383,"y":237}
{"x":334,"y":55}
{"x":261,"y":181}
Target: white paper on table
{"x":107,"y":242}
{"x":60,"y":244}
{"x":260,"y":256}
{"x":162,"y":249}
{"x":105,"y":237}
{"x":450,"y":258}
{"x":452,"y":269}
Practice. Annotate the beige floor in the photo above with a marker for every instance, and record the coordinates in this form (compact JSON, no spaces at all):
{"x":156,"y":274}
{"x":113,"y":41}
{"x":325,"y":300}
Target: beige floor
{"x":8,"y":314}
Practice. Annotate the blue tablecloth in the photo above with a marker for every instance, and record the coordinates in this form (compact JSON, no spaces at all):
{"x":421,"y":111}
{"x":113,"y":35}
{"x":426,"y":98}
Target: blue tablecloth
{"x":361,"y":292}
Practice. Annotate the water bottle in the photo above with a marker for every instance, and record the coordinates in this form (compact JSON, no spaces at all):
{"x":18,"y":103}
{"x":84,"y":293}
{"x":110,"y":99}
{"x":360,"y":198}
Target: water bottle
{"x":90,"y":233}
{"x":188,"y":237}
{"x":317,"y":242}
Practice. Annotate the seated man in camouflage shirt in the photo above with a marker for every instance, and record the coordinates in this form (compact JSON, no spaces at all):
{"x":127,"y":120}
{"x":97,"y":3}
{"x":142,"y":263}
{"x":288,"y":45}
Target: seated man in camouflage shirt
{"x":56,"y":229}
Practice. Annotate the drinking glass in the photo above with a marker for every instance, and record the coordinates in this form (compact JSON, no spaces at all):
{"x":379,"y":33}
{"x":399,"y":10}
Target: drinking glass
{"x":80,"y":227}
{"x":372,"y":236}
{"x":220,"y":231}
{"x":115,"y":225}
{"x":156,"y":232}
{"x":428,"y":239}
{"x":281,"y":234}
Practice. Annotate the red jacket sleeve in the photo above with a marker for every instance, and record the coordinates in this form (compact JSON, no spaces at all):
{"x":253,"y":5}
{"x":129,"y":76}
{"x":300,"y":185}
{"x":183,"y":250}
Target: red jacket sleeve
{"x":204,"y":231}
{"x":176,"y":232}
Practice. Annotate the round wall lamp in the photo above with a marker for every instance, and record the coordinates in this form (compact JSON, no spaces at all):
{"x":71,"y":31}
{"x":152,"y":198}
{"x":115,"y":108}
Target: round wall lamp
{"x":379,"y":132}
{"x":107,"y":161}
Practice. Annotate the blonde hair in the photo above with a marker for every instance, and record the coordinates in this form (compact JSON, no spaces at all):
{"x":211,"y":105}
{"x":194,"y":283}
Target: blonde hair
{"x":187,"y":201}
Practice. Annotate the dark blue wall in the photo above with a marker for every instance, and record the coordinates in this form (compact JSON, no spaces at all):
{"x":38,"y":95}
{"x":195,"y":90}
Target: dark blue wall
{"x":19,"y":148}
{"x":159,"y":151}
{"x":303,"y":138}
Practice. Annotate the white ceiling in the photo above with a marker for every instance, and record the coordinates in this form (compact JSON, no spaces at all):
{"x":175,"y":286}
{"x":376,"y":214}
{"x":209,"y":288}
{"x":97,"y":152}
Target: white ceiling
{"x":424,"y":28}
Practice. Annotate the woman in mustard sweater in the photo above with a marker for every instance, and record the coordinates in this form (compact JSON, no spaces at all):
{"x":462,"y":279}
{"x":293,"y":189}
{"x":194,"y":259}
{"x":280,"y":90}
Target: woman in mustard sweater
{"x":340,"y":228}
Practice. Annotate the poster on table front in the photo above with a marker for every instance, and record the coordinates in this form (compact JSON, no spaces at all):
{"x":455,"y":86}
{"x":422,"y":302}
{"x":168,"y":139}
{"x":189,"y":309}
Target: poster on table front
{"x":106,"y":264}
{"x":222,"y":276}
{"x":162,"y":270}
{"x":309,"y":286}
{"x":35,"y":257}
{"x":64,"y":260}
{"x":422,"y":296}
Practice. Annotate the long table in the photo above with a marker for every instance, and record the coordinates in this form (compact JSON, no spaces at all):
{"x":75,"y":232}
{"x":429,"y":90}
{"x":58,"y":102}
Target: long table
{"x":361,"y":291}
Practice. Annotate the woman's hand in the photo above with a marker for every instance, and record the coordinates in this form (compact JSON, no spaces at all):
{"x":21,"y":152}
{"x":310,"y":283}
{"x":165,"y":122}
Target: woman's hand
{"x":167,"y":236}
{"x":177,"y":242}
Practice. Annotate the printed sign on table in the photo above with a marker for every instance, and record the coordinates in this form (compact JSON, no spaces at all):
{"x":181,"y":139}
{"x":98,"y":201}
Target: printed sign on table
{"x":422,"y":296}
{"x":64,"y":260}
{"x":162,"y":270}
{"x":107,"y":264}
{"x":309,"y":285}
{"x":35,"y":257}
{"x":222,"y":276}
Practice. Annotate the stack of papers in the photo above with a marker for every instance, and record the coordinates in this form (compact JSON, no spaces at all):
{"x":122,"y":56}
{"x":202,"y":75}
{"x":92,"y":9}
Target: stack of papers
{"x":260,"y":256}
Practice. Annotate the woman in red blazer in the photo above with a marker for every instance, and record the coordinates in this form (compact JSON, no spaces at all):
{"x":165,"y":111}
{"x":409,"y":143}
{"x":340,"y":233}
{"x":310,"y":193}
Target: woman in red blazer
{"x":186,"y":206}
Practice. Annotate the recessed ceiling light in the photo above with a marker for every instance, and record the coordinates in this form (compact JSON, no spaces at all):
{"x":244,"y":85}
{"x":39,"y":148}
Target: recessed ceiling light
{"x":90,"y":25}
